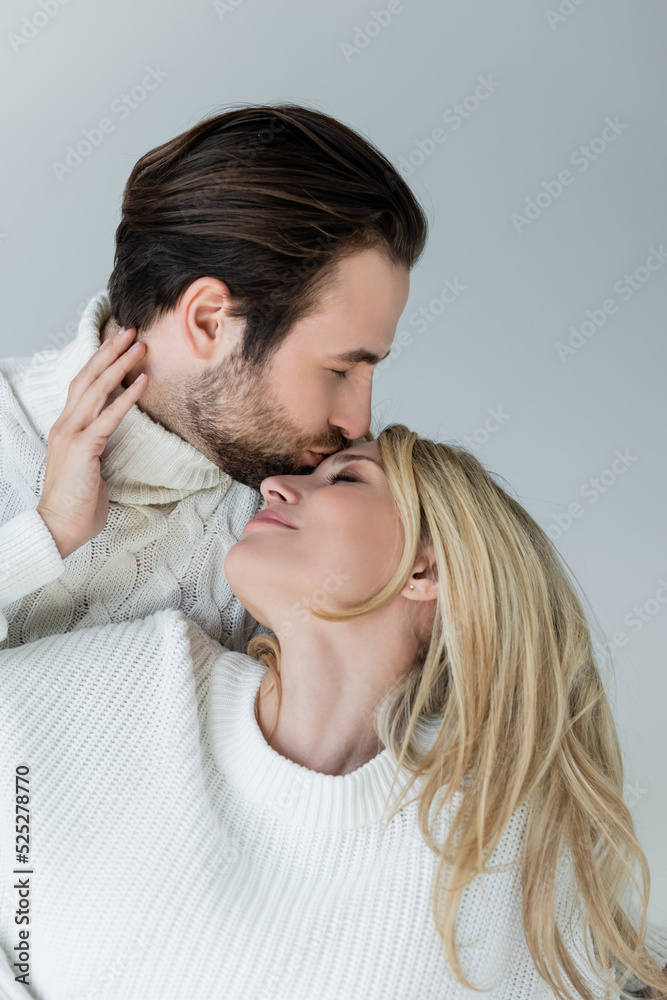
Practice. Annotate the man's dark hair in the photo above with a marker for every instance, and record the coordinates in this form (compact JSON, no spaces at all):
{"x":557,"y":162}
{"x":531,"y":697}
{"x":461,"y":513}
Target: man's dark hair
{"x":267,"y":199}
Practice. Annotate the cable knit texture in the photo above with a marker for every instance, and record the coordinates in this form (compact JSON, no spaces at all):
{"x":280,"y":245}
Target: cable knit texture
{"x":173,"y":515}
{"x":175,"y":854}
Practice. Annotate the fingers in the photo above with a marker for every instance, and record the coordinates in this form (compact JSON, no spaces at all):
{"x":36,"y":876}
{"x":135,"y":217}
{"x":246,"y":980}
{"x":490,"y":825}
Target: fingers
{"x":105,"y":356}
{"x":93,"y":399}
{"x":111,"y":416}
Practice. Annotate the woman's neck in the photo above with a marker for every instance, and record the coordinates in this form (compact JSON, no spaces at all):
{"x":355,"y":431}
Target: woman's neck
{"x":330,"y":693}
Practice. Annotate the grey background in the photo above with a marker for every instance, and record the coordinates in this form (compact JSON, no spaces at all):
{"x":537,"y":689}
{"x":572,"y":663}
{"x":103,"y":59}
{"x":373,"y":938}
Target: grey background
{"x":556,"y":79}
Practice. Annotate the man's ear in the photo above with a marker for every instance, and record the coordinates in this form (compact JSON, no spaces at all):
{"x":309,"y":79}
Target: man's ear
{"x":208,"y":331}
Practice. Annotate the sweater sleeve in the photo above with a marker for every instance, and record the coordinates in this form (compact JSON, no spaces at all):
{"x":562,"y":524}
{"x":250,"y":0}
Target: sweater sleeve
{"x":29,"y":558}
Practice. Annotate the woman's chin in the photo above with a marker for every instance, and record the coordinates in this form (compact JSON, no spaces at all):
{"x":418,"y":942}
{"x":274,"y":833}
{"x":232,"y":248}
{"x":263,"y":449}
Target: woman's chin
{"x":244,"y":594}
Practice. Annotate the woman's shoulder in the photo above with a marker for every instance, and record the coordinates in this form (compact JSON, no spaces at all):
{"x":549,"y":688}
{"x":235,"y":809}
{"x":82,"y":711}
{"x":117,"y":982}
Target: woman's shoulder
{"x":168,"y":639}
{"x":108,"y":639}
{"x":108,"y":656}
{"x":176,"y":627}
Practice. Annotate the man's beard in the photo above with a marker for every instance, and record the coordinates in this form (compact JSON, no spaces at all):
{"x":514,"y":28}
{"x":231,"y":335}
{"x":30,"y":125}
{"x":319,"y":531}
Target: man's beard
{"x":228,"y":414}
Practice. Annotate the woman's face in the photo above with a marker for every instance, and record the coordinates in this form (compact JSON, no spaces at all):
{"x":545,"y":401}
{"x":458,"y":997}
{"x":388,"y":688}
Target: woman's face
{"x":345,"y":542}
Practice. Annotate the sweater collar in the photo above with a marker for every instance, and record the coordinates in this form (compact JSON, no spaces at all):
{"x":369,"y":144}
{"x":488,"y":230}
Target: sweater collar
{"x":143,"y":462}
{"x":291,"y":792}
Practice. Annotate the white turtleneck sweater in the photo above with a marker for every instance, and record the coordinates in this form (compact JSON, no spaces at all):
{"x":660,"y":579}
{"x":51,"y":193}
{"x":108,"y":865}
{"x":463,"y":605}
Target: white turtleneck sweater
{"x":174,"y":854}
{"x":173,"y":515}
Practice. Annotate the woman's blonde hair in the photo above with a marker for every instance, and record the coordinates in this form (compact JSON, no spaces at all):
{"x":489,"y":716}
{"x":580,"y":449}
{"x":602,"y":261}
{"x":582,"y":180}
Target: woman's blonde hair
{"x":509,"y":686}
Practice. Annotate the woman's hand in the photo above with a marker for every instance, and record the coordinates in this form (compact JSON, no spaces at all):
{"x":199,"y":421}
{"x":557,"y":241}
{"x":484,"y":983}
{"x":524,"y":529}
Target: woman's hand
{"x":74,"y":503}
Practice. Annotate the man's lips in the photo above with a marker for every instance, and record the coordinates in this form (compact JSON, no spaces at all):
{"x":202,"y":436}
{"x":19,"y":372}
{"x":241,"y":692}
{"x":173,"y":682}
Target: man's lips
{"x":272,"y":517}
{"x":315,"y":457}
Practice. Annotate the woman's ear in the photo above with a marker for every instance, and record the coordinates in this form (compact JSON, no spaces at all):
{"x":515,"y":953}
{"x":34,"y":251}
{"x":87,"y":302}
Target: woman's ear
{"x":423,"y":582}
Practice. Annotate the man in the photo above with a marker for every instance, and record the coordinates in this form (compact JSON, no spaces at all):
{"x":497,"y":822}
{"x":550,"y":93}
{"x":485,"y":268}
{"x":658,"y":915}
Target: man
{"x":262,"y":260}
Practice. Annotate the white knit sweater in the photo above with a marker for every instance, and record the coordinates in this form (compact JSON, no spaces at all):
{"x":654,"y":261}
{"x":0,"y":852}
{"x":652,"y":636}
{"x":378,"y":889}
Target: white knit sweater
{"x":175,"y":854}
{"x":173,"y":515}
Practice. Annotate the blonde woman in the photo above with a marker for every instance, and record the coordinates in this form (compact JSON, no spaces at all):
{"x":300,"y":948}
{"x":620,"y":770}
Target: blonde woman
{"x":412,"y":788}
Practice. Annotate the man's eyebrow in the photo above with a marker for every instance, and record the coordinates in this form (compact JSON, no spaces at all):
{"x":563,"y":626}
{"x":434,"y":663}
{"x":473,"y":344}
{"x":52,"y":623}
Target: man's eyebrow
{"x":360,"y":354}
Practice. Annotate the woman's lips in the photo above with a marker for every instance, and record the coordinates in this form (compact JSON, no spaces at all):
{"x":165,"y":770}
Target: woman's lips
{"x":270,"y":517}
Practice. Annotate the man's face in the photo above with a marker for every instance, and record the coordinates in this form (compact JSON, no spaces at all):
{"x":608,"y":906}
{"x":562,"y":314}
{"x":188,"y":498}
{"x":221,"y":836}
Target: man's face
{"x":258,"y":422}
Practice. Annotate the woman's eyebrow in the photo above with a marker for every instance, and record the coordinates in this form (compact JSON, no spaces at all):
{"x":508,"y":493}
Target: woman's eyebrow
{"x":342,"y":456}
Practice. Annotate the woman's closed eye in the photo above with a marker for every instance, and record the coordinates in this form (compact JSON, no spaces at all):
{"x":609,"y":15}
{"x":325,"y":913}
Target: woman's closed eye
{"x":345,"y":476}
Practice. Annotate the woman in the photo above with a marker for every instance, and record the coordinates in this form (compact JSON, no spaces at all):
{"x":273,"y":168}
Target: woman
{"x":413,"y":791}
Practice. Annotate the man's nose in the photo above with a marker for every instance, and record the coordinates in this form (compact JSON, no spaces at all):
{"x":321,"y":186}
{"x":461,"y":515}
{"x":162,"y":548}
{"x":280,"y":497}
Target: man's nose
{"x":353,"y":415}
